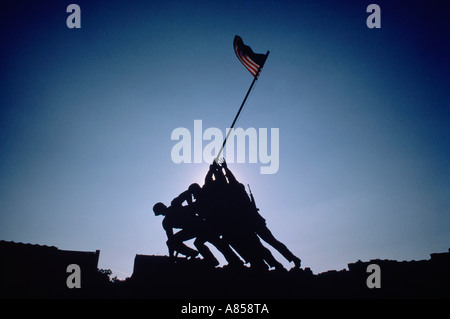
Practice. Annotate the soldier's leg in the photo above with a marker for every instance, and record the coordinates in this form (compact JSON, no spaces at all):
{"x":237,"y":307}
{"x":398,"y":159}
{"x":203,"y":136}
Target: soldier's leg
{"x":205,"y":252}
{"x":247,"y":244}
{"x":176,"y":243}
{"x":266,"y":254}
{"x":225,"y":249}
{"x":265,"y":234}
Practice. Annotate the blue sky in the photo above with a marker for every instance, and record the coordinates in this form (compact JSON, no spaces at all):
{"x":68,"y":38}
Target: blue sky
{"x":363,"y":115}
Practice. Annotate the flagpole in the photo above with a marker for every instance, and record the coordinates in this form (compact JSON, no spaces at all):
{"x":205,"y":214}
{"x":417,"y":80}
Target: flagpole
{"x":240,"y":109}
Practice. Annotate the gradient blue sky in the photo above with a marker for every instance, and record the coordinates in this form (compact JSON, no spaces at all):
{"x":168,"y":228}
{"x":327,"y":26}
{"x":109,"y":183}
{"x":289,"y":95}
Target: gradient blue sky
{"x":87,"y":114}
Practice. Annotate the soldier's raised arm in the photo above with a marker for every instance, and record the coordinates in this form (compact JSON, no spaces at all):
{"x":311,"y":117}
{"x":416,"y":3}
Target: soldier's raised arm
{"x":184,"y":196}
{"x":208,"y":177}
{"x":228,"y":173}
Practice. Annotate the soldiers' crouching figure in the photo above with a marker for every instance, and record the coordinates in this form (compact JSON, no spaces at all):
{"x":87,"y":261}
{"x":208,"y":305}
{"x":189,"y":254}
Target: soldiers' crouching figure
{"x":175,"y":217}
{"x":192,"y":226}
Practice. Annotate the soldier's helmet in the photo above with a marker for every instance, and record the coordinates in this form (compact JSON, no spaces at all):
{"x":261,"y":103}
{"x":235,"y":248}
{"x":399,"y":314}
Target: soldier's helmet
{"x":194,"y":189}
{"x":159,"y":209}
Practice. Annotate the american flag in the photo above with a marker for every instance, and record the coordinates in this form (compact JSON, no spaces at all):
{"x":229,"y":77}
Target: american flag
{"x":252,"y":61}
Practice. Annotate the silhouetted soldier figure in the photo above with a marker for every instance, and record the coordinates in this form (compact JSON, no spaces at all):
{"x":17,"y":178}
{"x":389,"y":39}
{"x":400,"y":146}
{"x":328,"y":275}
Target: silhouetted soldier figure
{"x":253,"y":218}
{"x":201,"y":206}
{"x":213,"y":198}
{"x":173,"y":219}
{"x":221,"y":212}
{"x":192,"y":226}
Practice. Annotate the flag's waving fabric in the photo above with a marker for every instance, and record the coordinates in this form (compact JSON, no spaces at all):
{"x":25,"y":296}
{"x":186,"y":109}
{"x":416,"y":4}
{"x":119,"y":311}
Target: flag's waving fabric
{"x":252,"y":61}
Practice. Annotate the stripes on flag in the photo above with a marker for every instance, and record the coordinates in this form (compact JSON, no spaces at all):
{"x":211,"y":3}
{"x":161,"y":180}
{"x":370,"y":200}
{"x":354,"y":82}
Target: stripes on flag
{"x":252,"y":61}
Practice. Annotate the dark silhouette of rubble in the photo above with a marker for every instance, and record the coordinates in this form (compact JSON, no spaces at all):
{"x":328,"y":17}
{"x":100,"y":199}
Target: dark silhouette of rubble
{"x":34,"y":271}
{"x":406,"y":279}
